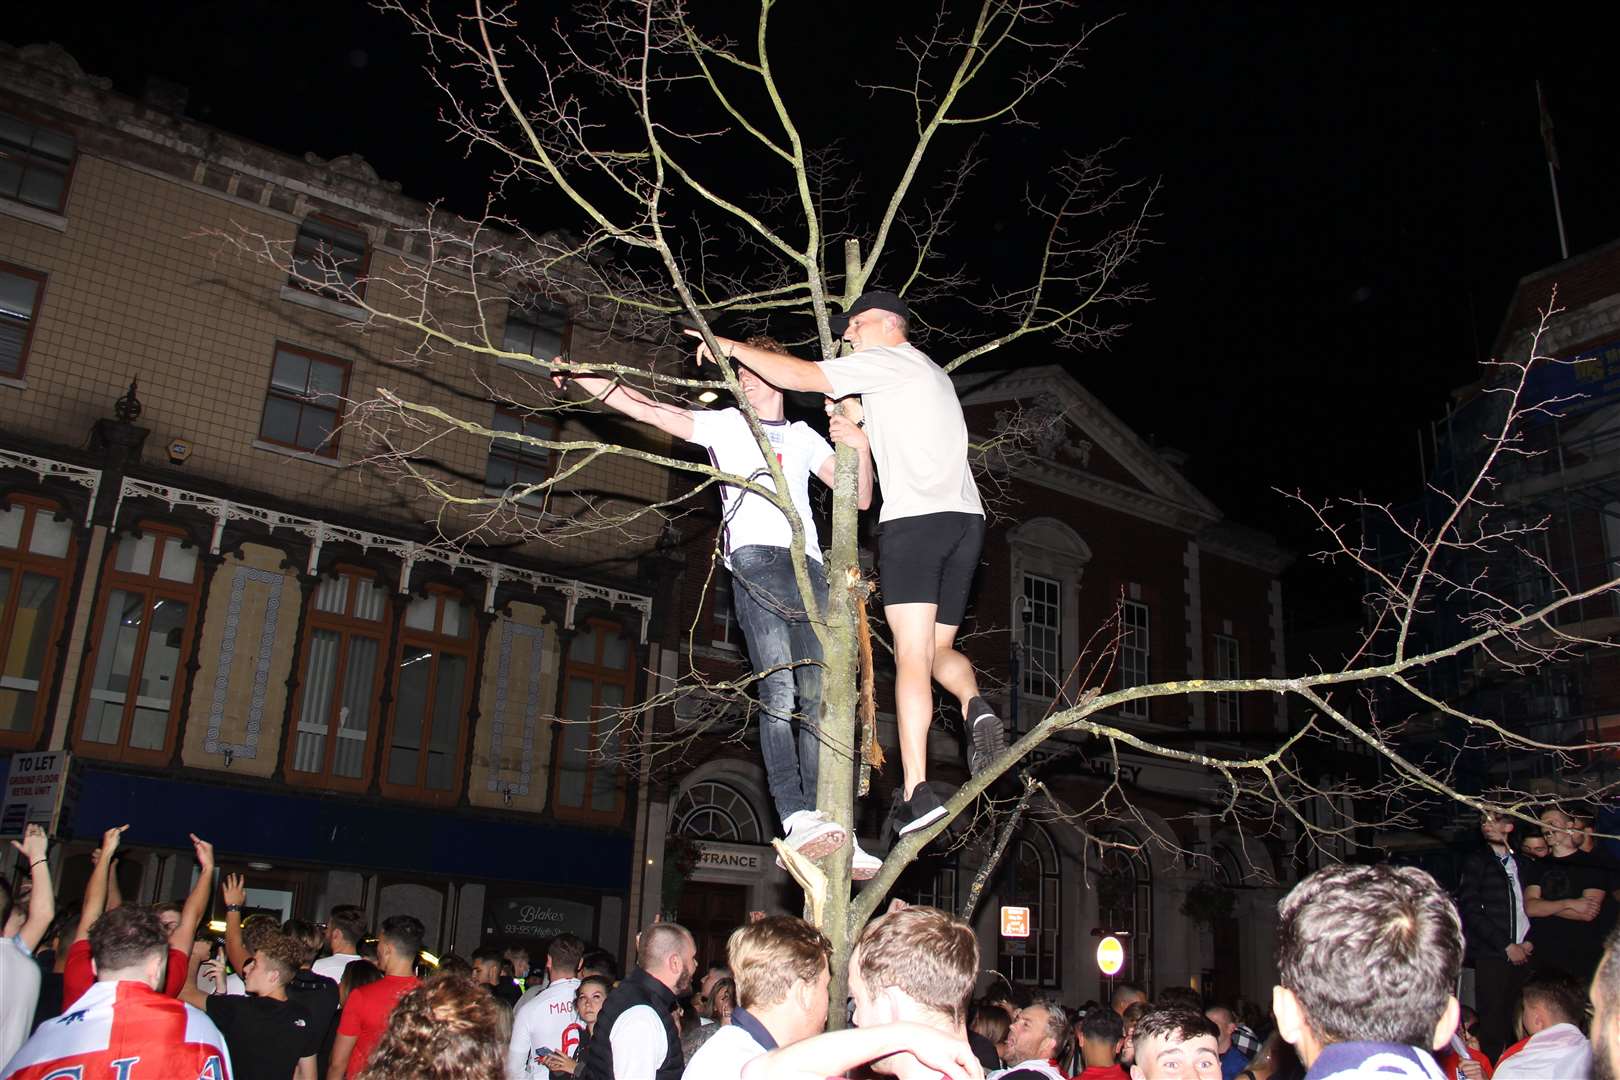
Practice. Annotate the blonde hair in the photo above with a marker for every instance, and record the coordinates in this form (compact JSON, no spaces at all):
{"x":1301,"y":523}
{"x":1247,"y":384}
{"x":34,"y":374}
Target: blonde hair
{"x":925,"y":952}
{"x":767,"y":957}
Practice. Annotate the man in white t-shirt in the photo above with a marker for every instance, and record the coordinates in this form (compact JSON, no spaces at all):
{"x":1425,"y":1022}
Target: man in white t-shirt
{"x":24,"y":920}
{"x":932,"y":524}
{"x":547,"y":1022}
{"x":757,"y":541}
{"x":345,"y":930}
{"x":780,"y":967}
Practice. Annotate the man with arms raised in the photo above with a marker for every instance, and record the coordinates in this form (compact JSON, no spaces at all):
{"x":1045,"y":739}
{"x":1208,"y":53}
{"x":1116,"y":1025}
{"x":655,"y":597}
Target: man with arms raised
{"x":1367,"y":961}
{"x":547,"y":1022}
{"x":635,"y":1037}
{"x":757,"y":538}
{"x":122,"y":1027}
{"x":1174,"y":1044}
{"x":1039,"y":1035}
{"x":932,"y":524}
{"x":780,"y":965}
{"x":25,"y":919}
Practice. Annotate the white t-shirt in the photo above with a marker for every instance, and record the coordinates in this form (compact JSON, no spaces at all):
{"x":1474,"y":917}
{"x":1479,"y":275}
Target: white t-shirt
{"x":332,"y":966}
{"x":547,"y":1022}
{"x":1560,"y":1050}
{"x":639,"y":1044}
{"x":914,"y":420}
{"x":19,"y":994}
{"x":751,"y":518}
{"x":723,"y":1056}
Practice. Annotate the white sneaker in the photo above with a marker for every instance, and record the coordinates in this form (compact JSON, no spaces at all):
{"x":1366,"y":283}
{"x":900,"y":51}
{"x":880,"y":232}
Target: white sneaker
{"x":863,"y":867}
{"x":812,"y":835}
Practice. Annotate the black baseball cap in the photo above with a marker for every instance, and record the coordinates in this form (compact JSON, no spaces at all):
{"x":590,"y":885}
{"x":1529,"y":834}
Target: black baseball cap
{"x":871,"y":300}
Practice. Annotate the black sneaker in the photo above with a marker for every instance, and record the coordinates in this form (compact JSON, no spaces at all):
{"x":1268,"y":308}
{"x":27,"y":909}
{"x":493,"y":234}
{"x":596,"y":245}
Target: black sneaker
{"x":918,"y":812}
{"x":987,"y":739}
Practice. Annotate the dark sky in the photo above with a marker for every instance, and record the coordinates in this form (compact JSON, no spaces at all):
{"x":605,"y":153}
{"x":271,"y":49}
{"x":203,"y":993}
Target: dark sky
{"x":1348,"y":195}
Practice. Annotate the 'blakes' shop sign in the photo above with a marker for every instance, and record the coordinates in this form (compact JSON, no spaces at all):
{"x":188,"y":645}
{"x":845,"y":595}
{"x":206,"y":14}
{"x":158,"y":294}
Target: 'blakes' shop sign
{"x":542,"y":917}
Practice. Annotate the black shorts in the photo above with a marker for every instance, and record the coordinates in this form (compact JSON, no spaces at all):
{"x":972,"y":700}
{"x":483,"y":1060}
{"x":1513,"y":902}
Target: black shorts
{"x":930,"y":559}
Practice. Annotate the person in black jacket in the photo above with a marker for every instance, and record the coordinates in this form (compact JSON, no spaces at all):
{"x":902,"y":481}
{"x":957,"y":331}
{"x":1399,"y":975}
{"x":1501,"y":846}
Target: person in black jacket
{"x":635,"y":1038}
{"x":1490,"y":899}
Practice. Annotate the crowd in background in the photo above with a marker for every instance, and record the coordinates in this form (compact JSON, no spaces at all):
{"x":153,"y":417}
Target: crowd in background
{"x":1370,"y":959}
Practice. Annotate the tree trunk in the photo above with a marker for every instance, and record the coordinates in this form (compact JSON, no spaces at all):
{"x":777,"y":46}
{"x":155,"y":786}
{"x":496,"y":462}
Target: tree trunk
{"x":840,"y":701}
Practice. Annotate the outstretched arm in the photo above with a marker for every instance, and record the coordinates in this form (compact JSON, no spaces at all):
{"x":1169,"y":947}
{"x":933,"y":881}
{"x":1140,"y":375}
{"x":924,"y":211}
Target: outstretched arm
{"x":926,"y":1052}
{"x":634,"y":404}
{"x":197,"y":903}
{"x":235,"y":893}
{"x":41,"y":901}
{"x":780,"y":370}
{"x":95,"y":891}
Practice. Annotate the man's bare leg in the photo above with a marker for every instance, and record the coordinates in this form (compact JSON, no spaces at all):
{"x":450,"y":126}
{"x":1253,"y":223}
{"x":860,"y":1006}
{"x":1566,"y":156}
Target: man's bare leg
{"x":951,"y":669}
{"x":914,"y":657}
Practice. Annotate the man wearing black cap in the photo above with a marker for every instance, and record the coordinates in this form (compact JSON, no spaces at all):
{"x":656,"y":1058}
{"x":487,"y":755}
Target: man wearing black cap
{"x":932,"y":523}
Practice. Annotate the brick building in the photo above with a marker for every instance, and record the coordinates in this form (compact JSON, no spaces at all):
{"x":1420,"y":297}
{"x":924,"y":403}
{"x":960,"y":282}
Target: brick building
{"x":237,"y":629}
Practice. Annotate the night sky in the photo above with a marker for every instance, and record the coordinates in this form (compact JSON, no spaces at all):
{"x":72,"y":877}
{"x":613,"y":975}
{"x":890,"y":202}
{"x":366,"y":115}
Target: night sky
{"x":1349,"y":196}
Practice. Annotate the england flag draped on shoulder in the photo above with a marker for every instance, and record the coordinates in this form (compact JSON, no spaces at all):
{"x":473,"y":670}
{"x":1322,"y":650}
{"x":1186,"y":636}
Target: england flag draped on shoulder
{"x":124,"y":1031}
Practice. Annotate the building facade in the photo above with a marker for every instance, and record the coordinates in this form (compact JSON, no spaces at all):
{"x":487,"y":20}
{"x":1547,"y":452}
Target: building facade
{"x":237,"y":627}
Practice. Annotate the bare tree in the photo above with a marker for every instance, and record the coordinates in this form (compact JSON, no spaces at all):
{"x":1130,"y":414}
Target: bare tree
{"x":700,"y":195}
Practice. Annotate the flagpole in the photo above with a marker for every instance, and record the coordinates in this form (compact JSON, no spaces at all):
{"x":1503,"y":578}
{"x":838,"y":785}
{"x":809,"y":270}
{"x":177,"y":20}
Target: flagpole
{"x":1558,"y":210}
{"x":1552,"y":167}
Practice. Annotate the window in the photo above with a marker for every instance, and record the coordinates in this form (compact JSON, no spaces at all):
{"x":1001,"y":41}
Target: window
{"x":1227,"y":716}
{"x":145,"y":618}
{"x":36,"y":559}
{"x":340,"y":681}
{"x":20,"y":292}
{"x":535,"y":328}
{"x":1133,"y":654}
{"x":514,"y":464}
{"x":931,"y":881}
{"x":1043,"y":635}
{"x":329,"y":253}
{"x":724,"y":622}
{"x":431,"y":688}
{"x":1125,"y":902}
{"x":711,"y":811}
{"x":1033,"y":882}
{"x":305,"y":401}
{"x":35,"y":164}
{"x":597,"y":681}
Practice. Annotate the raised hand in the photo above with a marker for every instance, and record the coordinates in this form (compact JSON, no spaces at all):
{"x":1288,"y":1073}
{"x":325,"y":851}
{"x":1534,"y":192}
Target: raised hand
{"x":205,"y":853}
{"x":234,"y":889}
{"x":33,"y":844}
{"x":110,"y":839}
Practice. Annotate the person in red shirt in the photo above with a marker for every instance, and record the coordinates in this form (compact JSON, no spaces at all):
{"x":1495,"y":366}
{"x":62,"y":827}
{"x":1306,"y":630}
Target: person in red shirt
{"x":121,"y":1026}
{"x":77,"y":973}
{"x":1101,"y":1032}
{"x":365,"y":1013}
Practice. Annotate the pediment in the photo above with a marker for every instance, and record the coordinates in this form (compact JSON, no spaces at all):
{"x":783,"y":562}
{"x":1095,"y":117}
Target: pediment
{"x":1071,"y":438}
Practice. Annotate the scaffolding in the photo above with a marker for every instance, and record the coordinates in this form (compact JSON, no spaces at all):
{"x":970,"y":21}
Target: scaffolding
{"x":1568,"y":485}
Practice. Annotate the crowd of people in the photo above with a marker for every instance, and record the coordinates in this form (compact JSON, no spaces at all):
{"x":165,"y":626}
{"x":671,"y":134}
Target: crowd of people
{"x":1369,"y":962}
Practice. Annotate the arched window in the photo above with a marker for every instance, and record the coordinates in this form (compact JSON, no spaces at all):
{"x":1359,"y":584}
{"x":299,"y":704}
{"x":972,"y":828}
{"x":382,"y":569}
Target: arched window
{"x":36,"y":563}
{"x":346,"y":632}
{"x":1033,"y":882}
{"x":1124,"y":883}
{"x":714,"y":811}
{"x":145,"y":620}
